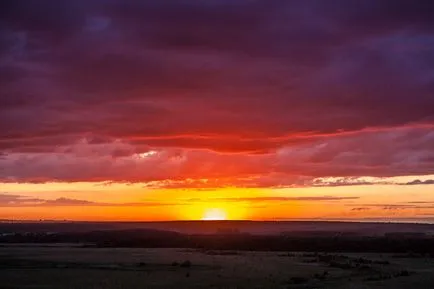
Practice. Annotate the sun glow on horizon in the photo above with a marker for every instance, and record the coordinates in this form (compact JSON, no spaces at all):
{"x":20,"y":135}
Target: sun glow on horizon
{"x":214,"y":214}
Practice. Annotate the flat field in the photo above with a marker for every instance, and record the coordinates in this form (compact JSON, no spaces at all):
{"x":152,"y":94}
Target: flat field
{"x":67,"y":267}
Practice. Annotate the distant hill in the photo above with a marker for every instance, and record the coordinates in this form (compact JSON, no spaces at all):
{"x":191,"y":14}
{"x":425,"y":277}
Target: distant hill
{"x":213,"y":227}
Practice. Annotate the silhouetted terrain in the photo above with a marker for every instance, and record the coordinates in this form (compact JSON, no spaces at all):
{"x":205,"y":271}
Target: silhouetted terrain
{"x":221,"y":254}
{"x":211,"y":227}
{"x":327,"y":237}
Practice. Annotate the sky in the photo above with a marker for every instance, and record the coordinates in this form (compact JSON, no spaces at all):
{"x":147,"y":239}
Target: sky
{"x":219,"y":109}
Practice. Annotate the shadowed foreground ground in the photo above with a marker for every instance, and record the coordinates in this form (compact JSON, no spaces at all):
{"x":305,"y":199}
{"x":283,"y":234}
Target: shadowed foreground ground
{"x":64,"y":266}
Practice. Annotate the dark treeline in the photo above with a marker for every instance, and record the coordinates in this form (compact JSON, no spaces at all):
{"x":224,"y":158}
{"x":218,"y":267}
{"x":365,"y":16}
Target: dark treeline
{"x":211,"y":227}
{"x":165,"y":239}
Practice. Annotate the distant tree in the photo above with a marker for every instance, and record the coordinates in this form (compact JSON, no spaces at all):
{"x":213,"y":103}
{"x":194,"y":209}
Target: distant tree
{"x":186,"y":264}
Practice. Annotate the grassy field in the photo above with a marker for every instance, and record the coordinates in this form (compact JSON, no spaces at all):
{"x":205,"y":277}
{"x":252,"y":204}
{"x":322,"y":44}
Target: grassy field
{"x":114,"y":268}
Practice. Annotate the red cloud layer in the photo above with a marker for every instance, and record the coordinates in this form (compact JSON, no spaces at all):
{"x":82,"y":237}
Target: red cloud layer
{"x":381,"y":154}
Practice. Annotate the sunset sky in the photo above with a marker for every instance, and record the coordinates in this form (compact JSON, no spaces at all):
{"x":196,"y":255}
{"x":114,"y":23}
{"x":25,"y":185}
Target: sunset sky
{"x":217,"y":109}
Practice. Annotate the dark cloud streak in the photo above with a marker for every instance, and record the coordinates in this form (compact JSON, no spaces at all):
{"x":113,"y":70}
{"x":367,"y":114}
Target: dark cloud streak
{"x":10,"y":200}
{"x":278,"y":199}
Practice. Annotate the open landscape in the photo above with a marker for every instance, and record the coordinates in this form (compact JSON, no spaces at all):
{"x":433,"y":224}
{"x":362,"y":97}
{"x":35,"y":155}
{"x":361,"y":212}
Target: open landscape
{"x":64,"y":266}
{"x":132,"y":255}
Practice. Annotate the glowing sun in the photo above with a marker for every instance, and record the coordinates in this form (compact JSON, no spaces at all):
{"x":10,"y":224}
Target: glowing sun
{"x":214,"y":215}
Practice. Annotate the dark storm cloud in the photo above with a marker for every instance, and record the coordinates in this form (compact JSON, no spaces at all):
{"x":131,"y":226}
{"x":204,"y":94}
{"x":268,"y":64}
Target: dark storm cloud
{"x":271,"y":81}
